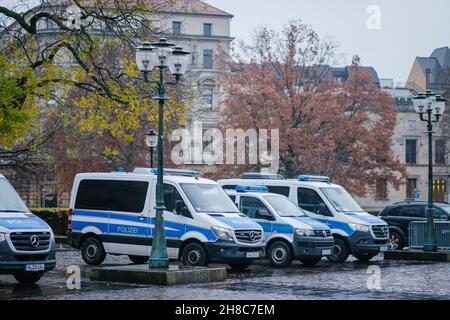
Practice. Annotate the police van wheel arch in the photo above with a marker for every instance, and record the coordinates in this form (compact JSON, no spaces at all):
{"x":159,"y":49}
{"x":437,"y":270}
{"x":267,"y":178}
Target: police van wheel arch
{"x":194,"y":253}
{"x":340,"y":251}
{"x":279,"y":252}
{"x":92,"y":250}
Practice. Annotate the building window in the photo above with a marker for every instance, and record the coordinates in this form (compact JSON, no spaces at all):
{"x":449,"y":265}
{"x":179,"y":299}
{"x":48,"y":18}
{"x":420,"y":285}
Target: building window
{"x":411,"y":186}
{"x":176,"y":27}
{"x":411,"y":151}
{"x":439,"y":152}
{"x":207,"y":97}
{"x":207,"y":29}
{"x":439,"y":190}
{"x":381,"y":189}
{"x":207,"y":59}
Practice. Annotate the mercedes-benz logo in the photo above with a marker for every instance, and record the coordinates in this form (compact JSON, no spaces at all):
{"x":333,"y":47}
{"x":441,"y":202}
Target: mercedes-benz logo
{"x":34,"y":240}
{"x":324,"y":233}
{"x":252,"y":235}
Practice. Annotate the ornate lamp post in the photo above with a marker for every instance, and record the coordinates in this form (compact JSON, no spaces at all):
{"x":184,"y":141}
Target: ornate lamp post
{"x":161,"y":55}
{"x":151,"y":140}
{"x":427,"y":105}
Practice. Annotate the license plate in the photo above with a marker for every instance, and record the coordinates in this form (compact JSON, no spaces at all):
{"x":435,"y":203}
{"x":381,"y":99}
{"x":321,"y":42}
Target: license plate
{"x":384,"y":249}
{"x":34,"y":267}
{"x":252,"y":254}
{"x":326,"y":252}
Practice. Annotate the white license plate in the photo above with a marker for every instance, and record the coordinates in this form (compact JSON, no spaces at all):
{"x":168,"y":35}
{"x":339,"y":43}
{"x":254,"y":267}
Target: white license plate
{"x":326,"y":252}
{"x":384,"y":249}
{"x":34,"y":267}
{"x":252,"y":255}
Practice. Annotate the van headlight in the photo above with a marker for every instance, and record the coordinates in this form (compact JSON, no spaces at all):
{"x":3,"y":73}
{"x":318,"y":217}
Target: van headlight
{"x":359,"y":227}
{"x":2,"y":237}
{"x":223,"y":233}
{"x":304,"y":232}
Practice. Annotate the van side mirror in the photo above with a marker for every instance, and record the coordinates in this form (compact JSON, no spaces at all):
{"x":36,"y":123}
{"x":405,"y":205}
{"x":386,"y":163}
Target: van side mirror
{"x":181,"y":209}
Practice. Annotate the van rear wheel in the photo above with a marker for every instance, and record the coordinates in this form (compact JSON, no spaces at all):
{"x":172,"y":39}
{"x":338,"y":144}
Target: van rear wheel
{"x":27,"y":277}
{"x":93,"y":252}
{"x":194,"y":254}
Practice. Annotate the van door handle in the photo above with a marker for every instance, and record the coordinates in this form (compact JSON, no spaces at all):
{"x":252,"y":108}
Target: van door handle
{"x":141,"y":218}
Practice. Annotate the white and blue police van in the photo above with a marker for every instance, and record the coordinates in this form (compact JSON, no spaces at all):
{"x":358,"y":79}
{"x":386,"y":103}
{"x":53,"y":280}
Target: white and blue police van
{"x":27,"y":243}
{"x":288,"y":232}
{"x":355,"y":231}
{"x":113,"y":213}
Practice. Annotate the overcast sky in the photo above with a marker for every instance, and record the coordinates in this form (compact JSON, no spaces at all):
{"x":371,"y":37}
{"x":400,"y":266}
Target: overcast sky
{"x":409,"y":28}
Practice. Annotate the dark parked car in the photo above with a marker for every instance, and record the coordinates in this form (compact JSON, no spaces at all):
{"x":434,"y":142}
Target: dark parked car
{"x":399,"y":215}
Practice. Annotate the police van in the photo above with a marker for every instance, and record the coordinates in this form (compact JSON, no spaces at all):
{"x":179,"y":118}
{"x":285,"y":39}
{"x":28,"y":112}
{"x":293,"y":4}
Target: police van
{"x":113,"y":213}
{"x":288,"y":232}
{"x":355,"y":231}
{"x":27,"y":243}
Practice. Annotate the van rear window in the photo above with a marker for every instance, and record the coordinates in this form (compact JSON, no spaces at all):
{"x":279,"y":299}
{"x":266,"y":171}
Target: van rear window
{"x":111,"y":195}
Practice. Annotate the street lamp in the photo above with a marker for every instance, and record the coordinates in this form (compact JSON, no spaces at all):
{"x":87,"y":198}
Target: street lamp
{"x":161,"y":55}
{"x":427,"y":105}
{"x":151,"y":140}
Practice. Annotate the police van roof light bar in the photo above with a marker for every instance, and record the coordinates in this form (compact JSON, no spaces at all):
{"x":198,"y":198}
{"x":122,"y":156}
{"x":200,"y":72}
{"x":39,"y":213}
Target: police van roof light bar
{"x":252,"y":189}
{"x":307,"y":178}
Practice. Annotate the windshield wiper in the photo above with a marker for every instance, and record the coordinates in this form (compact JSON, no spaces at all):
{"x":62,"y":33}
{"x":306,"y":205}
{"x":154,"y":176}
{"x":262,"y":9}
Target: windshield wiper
{"x":13,"y":211}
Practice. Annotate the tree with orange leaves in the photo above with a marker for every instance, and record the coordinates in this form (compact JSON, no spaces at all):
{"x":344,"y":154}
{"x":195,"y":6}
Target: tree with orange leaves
{"x":342,"y":129}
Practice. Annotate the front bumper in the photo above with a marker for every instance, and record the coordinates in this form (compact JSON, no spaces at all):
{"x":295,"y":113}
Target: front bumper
{"x":363,"y":242}
{"x":11,"y":262}
{"x":230,"y":252}
{"x":312,"y":246}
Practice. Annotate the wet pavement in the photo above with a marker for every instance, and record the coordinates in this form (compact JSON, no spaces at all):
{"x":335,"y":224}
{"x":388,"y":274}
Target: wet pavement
{"x":398,"y":280}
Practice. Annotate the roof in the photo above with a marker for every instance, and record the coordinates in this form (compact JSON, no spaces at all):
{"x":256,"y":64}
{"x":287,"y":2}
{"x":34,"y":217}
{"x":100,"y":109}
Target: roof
{"x":443,"y":56}
{"x":170,"y":6}
{"x":433,"y":65}
{"x":195,"y":7}
{"x":145,"y":177}
{"x":344,"y":73}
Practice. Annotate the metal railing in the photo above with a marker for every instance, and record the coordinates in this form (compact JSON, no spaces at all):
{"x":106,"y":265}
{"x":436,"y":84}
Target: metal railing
{"x":417,"y":234}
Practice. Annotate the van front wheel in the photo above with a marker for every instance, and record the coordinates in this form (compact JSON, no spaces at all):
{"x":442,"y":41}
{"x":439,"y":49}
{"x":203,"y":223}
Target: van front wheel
{"x":194,"y":254}
{"x":92,"y":251}
{"x":340,"y":251}
{"x":280,"y":254}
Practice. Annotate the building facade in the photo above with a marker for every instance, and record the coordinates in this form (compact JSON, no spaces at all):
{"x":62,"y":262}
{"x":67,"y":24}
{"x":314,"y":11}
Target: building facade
{"x":410,"y":142}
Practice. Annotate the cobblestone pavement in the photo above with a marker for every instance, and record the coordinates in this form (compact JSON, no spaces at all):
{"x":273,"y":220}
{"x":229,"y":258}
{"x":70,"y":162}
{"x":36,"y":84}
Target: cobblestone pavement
{"x":399,"y":280}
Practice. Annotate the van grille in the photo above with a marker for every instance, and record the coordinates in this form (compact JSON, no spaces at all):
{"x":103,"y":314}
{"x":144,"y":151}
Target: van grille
{"x":322,"y":233}
{"x":30,"y":241}
{"x":380,"y":232}
{"x":248,"y":236}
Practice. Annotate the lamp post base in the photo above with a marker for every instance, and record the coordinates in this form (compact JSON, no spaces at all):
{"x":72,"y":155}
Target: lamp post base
{"x":158,"y":263}
{"x":430,"y":248}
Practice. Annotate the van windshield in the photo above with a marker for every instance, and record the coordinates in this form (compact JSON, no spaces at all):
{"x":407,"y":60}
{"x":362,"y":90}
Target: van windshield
{"x":9,"y":199}
{"x":341,"y":200}
{"x":208,"y":198}
{"x":284,"y":206}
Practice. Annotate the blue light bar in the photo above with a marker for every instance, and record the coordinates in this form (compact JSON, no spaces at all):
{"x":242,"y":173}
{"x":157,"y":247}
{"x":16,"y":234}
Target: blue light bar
{"x":252,"y":189}
{"x":314,"y":178}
